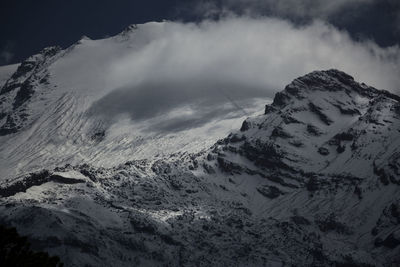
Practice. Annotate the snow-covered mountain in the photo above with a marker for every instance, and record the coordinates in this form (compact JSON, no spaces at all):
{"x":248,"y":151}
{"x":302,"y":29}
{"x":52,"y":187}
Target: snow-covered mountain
{"x":314,"y":181}
{"x":69,"y":106}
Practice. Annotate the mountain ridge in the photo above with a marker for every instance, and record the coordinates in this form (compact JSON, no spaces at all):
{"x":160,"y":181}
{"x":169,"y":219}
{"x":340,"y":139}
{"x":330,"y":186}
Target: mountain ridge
{"x":46,"y":118}
{"x":313,"y":181}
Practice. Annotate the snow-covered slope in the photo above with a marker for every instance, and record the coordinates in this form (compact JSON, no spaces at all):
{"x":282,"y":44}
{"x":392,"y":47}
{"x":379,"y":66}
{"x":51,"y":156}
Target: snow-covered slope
{"x":54,"y":110}
{"x":6,"y":72}
{"x":312,"y":182}
{"x":325,"y":123}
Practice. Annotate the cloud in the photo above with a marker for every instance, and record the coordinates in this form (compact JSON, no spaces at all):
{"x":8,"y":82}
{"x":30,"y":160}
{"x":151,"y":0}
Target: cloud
{"x":286,"y":8}
{"x":6,"y":54}
{"x":214,"y":67}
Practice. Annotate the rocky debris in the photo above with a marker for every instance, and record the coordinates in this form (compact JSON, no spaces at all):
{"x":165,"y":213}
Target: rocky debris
{"x":281,"y":133}
{"x":245,"y":126}
{"x":32,"y":75}
{"x":382,"y":175}
{"x":210,"y":157}
{"x":269,"y":109}
{"x":265,"y":155}
{"x":323,"y":151}
{"x":388,"y":220}
{"x":24,"y":94}
{"x":396,"y":108}
{"x":281,"y":99}
{"x":34,"y":179}
{"x":235,"y":138}
{"x":98,"y":136}
{"x":313,"y":184}
{"x":270,"y":191}
{"x":340,"y":148}
{"x":12,"y":125}
{"x":392,"y":168}
{"x":358,"y":191}
{"x":300,"y":220}
{"x":142,"y":225}
{"x":288,"y":119}
{"x":296,"y":143}
{"x":208,"y":168}
{"x":330,"y":223}
{"x":391,"y":241}
{"x":88,"y":171}
{"x":319,"y":112}
{"x":228,"y":166}
{"x":347,"y":111}
{"x":314,"y":130}
{"x":161,"y":167}
{"x":27,"y":68}
{"x":64,"y":180}
{"x":345,"y":136}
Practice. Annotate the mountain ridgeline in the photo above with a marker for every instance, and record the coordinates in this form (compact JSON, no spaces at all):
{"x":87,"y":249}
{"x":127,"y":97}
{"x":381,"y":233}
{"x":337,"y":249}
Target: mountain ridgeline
{"x":314,"y":181}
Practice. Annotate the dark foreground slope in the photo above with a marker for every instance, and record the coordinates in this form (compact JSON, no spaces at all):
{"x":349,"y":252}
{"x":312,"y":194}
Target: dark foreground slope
{"x":313,"y":181}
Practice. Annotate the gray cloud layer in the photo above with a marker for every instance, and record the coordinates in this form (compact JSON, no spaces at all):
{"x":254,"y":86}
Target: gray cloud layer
{"x":204,"y":66}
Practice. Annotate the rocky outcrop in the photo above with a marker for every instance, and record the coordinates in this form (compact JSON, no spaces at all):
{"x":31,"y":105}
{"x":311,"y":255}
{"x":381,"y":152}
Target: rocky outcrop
{"x":31,"y":76}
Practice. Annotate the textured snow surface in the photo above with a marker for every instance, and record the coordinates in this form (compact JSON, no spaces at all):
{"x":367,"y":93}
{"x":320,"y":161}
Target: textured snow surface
{"x":53,"y":111}
{"x":6,"y":72}
{"x":314,"y":181}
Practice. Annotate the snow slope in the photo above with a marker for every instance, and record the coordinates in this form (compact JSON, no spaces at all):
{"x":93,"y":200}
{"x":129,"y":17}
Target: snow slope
{"x":6,"y":72}
{"x":314,"y":181}
{"x":54,"y":110}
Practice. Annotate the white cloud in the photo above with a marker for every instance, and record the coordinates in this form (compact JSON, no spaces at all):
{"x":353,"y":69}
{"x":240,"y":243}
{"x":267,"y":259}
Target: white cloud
{"x":205,"y":65}
{"x":252,"y":54}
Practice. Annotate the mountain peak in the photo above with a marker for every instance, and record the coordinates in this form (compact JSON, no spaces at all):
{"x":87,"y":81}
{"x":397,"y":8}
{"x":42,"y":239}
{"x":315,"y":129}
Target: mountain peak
{"x":129,"y":29}
{"x":323,"y":76}
{"x":322,"y":113}
{"x":326,"y":81}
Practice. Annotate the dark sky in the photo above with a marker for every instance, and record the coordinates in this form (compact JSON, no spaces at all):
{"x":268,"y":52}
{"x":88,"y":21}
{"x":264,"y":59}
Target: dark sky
{"x":27,"y":26}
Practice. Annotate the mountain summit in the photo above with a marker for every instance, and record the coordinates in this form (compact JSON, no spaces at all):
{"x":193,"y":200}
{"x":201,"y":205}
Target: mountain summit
{"x":326,"y":122}
{"x":313,"y":181}
{"x":330,"y":80}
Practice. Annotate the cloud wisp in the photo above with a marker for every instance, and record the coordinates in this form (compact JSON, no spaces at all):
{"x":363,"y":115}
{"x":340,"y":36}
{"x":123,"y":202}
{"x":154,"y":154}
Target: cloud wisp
{"x":6,"y":54}
{"x":297,"y":9}
{"x":204,"y":66}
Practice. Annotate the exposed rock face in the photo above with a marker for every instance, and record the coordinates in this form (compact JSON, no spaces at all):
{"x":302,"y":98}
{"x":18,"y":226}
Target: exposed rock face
{"x":31,"y":76}
{"x":325,"y":113}
{"x":312,"y":182}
